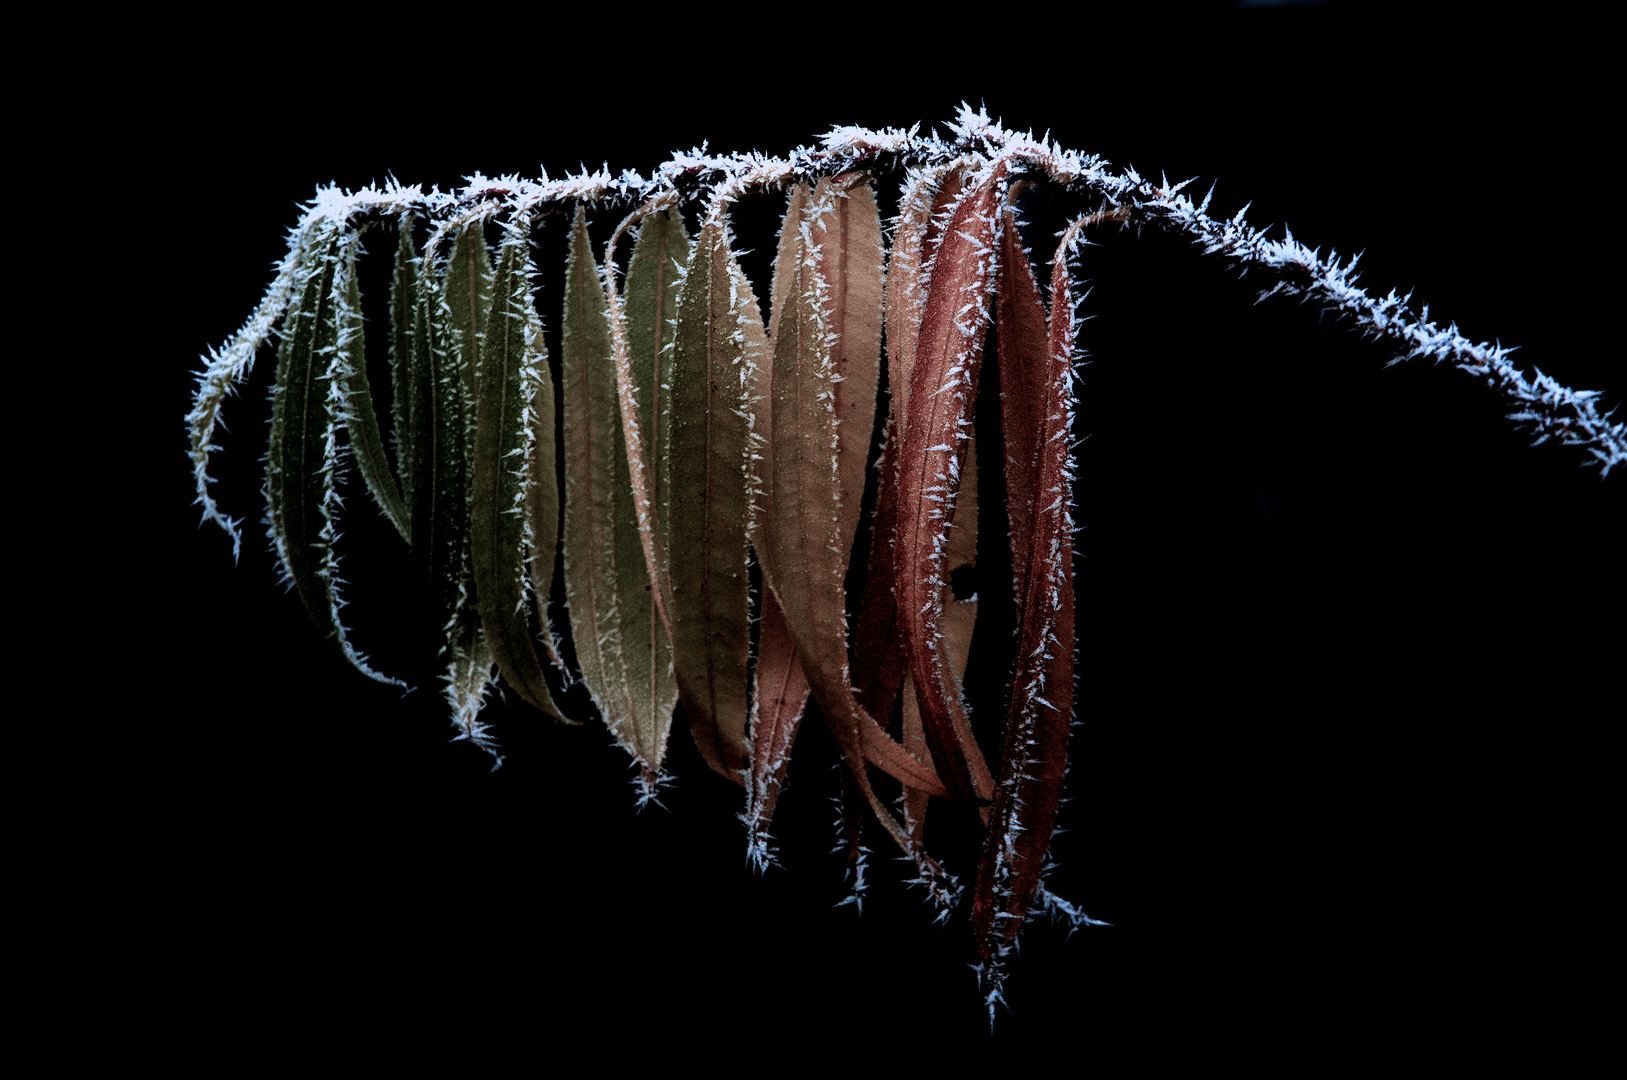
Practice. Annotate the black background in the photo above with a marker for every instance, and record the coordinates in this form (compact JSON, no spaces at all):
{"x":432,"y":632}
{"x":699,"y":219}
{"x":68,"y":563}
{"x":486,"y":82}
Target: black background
{"x":1349,"y":647}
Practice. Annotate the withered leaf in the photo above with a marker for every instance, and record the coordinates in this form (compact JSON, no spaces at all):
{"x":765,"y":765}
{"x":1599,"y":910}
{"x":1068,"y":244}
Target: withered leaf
{"x":805,"y":558}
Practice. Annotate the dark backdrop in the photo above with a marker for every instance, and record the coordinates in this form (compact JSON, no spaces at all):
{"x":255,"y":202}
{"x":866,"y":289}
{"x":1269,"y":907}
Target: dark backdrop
{"x":1347,"y":642}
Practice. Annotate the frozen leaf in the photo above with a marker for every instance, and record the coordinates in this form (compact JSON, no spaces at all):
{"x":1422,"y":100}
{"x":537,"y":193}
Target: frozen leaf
{"x":943,"y":387}
{"x":621,"y":644}
{"x":303,"y":458}
{"x":1036,"y":364}
{"x":879,"y":660}
{"x":360,"y":417}
{"x":510,"y":366}
{"x":804,"y":555}
{"x":718,"y":342}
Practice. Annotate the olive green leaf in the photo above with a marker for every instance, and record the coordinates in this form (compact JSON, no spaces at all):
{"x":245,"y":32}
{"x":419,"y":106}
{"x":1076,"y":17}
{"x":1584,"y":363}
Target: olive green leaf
{"x":510,"y":366}
{"x":621,"y":644}
{"x":360,"y":418}
{"x":717,"y":346}
{"x":303,"y":458}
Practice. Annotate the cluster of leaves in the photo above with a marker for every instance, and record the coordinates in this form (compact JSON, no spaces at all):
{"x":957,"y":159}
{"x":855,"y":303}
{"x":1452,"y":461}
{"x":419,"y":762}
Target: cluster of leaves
{"x":699,"y":439}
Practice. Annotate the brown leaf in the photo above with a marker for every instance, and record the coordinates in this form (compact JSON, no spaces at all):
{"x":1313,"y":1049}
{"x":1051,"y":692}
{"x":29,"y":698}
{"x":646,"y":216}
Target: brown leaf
{"x":845,"y":229}
{"x":621,"y":644}
{"x":804,"y":556}
{"x":716,"y":350}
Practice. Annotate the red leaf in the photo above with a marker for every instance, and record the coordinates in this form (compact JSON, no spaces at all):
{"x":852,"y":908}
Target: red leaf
{"x":1035,"y":376}
{"x":943,"y":387}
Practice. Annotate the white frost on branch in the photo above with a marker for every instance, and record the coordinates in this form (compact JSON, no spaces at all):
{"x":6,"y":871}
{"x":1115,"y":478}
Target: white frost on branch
{"x":1538,"y":403}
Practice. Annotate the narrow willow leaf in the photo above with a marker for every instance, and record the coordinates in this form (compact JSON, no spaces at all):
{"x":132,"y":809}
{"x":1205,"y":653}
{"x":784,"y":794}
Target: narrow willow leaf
{"x":441,"y":420}
{"x":303,"y":458}
{"x":454,"y":317}
{"x":781,"y":686}
{"x":846,"y":232}
{"x":1025,"y":397}
{"x":621,"y":644}
{"x":817,"y":477}
{"x":787,"y":254}
{"x":880,"y":663}
{"x":925,"y":195}
{"x":1034,"y":751}
{"x":510,"y":366}
{"x":467,"y":290}
{"x":542,"y":503}
{"x":943,"y":387}
{"x":642,"y":334}
{"x":805,"y":558}
{"x":404,"y":381}
{"x":360,"y":417}
{"x":718,"y":342}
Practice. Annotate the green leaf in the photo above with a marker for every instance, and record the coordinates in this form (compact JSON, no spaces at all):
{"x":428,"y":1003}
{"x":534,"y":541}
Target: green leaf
{"x":654,"y":276}
{"x":509,"y":368}
{"x":450,"y":347}
{"x":405,"y":381}
{"x":360,"y":417}
{"x":302,"y":459}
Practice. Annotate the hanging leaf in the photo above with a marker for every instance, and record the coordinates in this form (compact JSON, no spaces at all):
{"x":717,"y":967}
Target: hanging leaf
{"x":846,"y":232}
{"x":620,"y":643}
{"x":880,"y":663}
{"x":642,"y":333}
{"x":360,"y":417}
{"x":716,"y":348}
{"x":460,"y":305}
{"x":781,"y":690}
{"x":1036,"y":372}
{"x":404,"y":379}
{"x":805,"y":560}
{"x":510,"y":365}
{"x":943,"y":387}
{"x":542,"y":504}
{"x":303,"y":458}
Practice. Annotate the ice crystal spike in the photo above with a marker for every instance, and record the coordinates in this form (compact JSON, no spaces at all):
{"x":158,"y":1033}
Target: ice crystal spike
{"x":700,"y":446}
